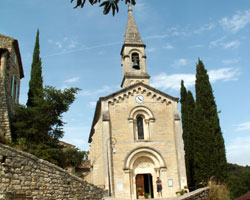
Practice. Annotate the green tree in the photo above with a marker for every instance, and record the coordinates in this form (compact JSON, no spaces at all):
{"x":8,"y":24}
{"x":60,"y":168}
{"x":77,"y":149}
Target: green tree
{"x":209,"y":148}
{"x":74,"y":157}
{"x":187,"y":112}
{"x":37,"y":129}
{"x":107,"y":5}
{"x":36,"y":80}
{"x":238,"y":180}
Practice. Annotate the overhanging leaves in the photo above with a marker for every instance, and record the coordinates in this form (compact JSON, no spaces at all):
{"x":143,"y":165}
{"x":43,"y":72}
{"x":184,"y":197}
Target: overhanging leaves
{"x":107,"y":5}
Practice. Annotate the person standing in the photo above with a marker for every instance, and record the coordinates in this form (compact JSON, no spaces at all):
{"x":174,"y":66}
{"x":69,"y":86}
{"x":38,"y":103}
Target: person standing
{"x":159,"y":187}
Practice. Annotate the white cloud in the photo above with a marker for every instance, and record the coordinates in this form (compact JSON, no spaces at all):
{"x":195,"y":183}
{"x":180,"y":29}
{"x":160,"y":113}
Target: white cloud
{"x":58,"y":44}
{"x":72,"y":45}
{"x":243,"y":126}
{"x":232,"y":44}
{"x":168,"y":46}
{"x":217,"y":42}
{"x":104,"y":89}
{"x":50,"y":41}
{"x":206,"y":27}
{"x":230,"y":61}
{"x":196,"y":46}
{"x":180,"y":63}
{"x":226,"y":45}
{"x":173,"y":81}
{"x":175,"y":32}
{"x":83,"y":48}
{"x":72,"y":80}
{"x":238,"y":151}
{"x":224,"y":74}
{"x":237,"y":22}
{"x":160,"y":36}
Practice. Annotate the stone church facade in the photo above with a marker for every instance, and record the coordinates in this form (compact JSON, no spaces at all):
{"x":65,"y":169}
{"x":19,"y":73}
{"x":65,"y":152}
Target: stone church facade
{"x":136,"y":132}
{"x":11,"y":72}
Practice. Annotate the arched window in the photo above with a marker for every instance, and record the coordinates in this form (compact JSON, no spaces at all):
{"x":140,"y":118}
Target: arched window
{"x":141,"y":120}
{"x":140,"y":128}
{"x":135,"y":61}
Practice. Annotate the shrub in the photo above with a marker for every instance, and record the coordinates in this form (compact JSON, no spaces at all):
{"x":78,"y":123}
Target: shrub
{"x":218,"y":192}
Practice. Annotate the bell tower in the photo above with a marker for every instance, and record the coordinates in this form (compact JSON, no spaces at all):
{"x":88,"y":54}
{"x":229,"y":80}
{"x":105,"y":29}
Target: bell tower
{"x":133,"y":55}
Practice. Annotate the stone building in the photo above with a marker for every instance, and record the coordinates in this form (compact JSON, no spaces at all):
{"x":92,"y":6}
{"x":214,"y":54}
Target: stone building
{"x":136,"y":132}
{"x":11,"y":72}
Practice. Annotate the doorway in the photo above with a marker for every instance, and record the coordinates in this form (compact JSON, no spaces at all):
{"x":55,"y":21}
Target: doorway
{"x":144,"y":184}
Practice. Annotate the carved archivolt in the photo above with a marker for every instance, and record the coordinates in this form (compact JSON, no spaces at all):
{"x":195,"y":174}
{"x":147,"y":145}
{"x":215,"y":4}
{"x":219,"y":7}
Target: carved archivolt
{"x":145,"y":155}
{"x":143,"y":162}
{"x":141,"y":110}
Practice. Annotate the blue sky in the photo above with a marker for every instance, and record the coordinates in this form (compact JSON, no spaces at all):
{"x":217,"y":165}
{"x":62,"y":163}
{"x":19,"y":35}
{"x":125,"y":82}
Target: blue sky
{"x":81,"y":48}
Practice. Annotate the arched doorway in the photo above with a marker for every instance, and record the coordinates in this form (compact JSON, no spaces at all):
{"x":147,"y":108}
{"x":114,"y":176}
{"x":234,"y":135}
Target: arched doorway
{"x":144,"y":184}
{"x":144,"y":165}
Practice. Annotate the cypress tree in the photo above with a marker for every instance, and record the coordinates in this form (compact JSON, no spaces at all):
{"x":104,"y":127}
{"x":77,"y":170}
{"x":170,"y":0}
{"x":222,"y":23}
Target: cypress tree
{"x":36,"y":80}
{"x":187,"y":110}
{"x":209,"y":148}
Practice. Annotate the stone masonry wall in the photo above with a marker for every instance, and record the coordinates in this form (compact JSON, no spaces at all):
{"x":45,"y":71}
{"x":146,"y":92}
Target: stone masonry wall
{"x":24,"y":176}
{"x":200,"y":194}
{"x":9,"y":67}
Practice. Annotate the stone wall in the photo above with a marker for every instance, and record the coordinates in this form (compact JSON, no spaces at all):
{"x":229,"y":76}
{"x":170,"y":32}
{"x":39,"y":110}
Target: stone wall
{"x":200,"y":194}
{"x":24,"y":176}
{"x":10,"y":69}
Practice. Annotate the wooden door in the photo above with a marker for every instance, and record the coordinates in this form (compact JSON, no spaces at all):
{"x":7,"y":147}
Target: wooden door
{"x":139,"y":181}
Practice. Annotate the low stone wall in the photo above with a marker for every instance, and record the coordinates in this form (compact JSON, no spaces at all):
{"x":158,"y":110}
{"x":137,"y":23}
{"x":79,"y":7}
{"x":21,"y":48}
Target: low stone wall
{"x":24,"y":176}
{"x":200,"y":194}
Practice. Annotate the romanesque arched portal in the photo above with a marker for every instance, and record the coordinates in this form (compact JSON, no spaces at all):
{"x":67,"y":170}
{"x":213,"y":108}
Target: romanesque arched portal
{"x":144,"y":166}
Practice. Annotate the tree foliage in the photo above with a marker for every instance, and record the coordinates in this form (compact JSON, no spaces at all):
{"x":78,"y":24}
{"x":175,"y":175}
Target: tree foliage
{"x":37,"y":129}
{"x":209,"y":148}
{"x":36,"y":80}
{"x":107,"y":5}
{"x":43,"y":121}
{"x":203,"y":141}
{"x":238,"y":180}
{"x":74,"y":157}
{"x":187,"y":110}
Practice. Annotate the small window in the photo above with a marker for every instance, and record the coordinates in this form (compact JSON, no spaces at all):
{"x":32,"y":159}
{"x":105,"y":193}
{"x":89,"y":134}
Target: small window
{"x":142,"y":120}
{"x":135,"y":61}
{"x":16,"y":95}
{"x":140,"y":128}
{"x":15,"y":59}
{"x":13,"y":86}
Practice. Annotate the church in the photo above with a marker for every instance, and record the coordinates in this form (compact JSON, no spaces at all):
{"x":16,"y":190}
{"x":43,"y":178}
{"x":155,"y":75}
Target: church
{"x":136,"y":132}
